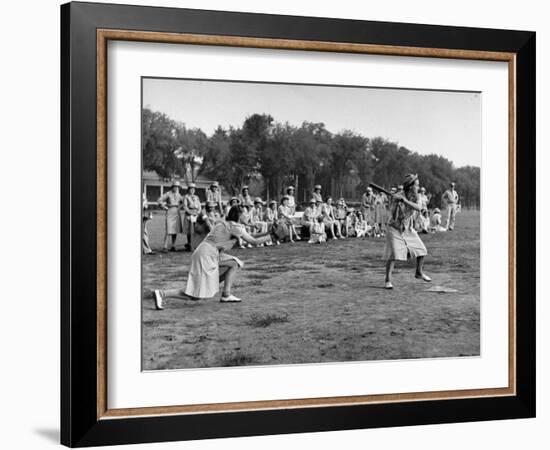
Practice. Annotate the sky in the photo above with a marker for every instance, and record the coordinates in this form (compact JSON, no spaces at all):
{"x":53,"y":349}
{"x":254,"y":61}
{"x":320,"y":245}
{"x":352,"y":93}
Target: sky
{"x":440,"y":122}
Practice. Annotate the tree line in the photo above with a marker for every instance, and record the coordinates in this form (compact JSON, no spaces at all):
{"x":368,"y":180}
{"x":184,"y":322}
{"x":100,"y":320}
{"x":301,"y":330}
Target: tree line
{"x":270,"y":155}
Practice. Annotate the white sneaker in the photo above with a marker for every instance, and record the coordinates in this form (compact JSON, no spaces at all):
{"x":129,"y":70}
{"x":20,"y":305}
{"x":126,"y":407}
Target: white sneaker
{"x":423,"y":277}
{"x":229,"y":299}
{"x":298,"y":238}
{"x":388,"y":285}
{"x":157,"y":297}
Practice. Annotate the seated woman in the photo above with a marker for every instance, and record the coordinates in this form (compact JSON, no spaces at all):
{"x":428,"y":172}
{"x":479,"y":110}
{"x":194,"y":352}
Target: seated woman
{"x":361,"y":227}
{"x":436,"y":222}
{"x":210,"y":264}
{"x":317,"y":232}
{"x":340,"y":213}
{"x":423,"y":221}
{"x":246,"y":220}
{"x":329,"y":219}
{"x":277,"y":230}
{"x":351,"y":219}
{"x":233,"y":202}
{"x":285,"y":216}
{"x":257,"y":215}
{"x":309,"y":218}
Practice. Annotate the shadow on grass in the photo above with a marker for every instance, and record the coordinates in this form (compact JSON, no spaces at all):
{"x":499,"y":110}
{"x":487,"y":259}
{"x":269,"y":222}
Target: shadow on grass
{"x":238,"y":359}
{"x":265,"y":320}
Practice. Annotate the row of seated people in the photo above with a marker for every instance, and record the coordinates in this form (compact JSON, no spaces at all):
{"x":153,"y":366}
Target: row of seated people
{"x":319,"y":221}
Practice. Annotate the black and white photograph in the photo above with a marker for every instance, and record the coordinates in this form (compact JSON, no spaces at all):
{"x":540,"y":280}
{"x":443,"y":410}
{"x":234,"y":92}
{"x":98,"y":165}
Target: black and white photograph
{"x":299,"y":224}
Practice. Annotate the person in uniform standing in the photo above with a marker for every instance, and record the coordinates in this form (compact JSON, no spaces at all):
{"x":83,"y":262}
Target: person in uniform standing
{"x":192,"y":208}
{"x":172,"y":202}
{"x":402,"y":239}
{"x":367,"y":206}
{"x":146,"y":217}
{"x":450,"y":198}
{"x":380,"y":214}
{"x":214,"y":195}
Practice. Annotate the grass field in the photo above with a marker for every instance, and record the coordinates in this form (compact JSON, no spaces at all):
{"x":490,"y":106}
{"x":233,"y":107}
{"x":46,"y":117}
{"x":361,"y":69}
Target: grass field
{"x":318,"y":303}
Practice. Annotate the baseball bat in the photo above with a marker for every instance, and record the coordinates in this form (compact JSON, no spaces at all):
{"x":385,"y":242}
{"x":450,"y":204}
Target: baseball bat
{"x":379,"y":188}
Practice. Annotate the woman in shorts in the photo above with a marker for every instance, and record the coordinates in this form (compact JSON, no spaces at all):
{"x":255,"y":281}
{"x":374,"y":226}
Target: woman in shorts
{"x":402,"y":239}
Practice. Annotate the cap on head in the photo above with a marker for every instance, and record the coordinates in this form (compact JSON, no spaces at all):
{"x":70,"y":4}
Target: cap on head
{"x":244,"y":188}
{"x":215,"y":184}
{"x":317,"y":187}
{"x":175,"y":184}
{"x":312,"y":200}
{"x":191,"y":185}
{"x":290,"y":188}
{"x":409,"y":180}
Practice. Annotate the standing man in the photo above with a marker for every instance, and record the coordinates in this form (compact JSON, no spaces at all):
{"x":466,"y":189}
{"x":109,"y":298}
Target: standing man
{"x":450,"y":198}
{"x":192,"y":208}
{"x":367,"y":206}
{"x":214,"y":195}
{"x":172,"y":202}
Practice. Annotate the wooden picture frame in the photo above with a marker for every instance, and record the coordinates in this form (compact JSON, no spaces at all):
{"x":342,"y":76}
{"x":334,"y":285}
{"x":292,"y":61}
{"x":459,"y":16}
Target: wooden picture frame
{"x":85,"y":417}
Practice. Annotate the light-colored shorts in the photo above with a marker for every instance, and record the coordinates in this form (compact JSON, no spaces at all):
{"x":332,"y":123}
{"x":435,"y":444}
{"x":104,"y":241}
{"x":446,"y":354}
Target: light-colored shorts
{"x":401,"y":244}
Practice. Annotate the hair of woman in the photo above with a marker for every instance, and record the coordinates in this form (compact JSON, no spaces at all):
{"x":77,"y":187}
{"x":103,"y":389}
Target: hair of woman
{"x":233,"y":214}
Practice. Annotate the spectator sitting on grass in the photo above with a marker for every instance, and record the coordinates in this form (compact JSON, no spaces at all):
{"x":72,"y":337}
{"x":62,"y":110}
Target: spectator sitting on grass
{"x":361,"y":225}
{"x":436,"y":221}
{"x":317,"y":231}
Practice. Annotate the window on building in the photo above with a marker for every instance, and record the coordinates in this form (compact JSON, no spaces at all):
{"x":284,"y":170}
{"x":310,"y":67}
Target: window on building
{"x":152,"y":193}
